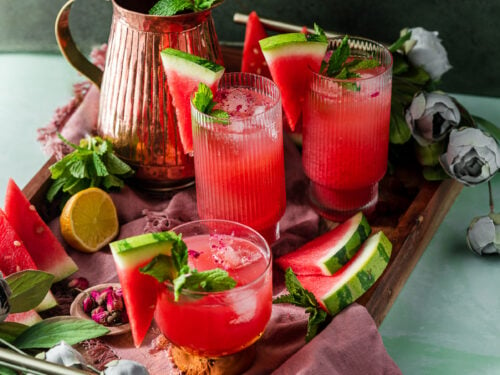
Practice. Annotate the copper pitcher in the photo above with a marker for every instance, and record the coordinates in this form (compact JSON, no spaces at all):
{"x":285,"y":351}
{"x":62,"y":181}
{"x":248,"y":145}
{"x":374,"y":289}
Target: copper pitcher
{"x":136,"y":111}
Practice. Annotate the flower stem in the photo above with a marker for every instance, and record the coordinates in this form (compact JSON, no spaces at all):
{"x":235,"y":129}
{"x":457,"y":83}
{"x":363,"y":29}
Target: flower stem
{"x":492,"y":205}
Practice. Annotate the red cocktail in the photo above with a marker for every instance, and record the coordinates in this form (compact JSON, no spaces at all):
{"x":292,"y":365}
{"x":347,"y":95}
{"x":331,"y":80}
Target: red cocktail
{"x":346,"y":134}
{"x":239,"y":167}
{"x":214,"y":324}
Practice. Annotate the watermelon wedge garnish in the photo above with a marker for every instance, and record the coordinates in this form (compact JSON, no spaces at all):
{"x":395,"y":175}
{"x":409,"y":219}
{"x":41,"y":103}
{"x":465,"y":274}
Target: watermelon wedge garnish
{"x":290,"y":58}
{"x":336,"y":292}
{"x":47,"y":252}
{"x":140,"y":290}
{"x":28,"y":318}
{"x":14,"y":257}
{"x":253,"y":60}
{"x":184,"y":73}
{"x":327,"y":253}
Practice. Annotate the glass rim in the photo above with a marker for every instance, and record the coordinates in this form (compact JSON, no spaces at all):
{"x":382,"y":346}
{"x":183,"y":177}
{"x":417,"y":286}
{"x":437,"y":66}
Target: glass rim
{"x":387,"y":67}
{"x":215,"y":122}
{"x":236,"y":289}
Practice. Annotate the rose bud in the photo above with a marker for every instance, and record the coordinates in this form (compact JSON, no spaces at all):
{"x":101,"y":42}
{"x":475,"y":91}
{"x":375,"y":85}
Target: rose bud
{"x":431,"y":116}
{"x":99,"y":315}
{"x":114,"y":318}
{"x":5,"y":293}
{"x":472,"y":156}
{"x":103,"y":296}
{"x":64,"y":354}
{"x":114,"y":302}
{"x":80,"y":283}
{"x":88,"y":304}
{"x":125,"y":367}
{"x":483,"y":234}
{"x":424,"y":49}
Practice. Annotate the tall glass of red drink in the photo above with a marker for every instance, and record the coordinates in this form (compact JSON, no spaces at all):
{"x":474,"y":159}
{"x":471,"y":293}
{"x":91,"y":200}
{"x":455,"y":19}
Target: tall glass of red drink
{"x":346,"y":134}
{"x":216,"y":324}
{"x":239,"y":166}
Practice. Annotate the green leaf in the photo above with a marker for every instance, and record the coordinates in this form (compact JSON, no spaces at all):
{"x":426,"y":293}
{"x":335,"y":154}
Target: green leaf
{"x":116,"y":166}
{"x":360,"y":64}
{"x":7,"y":371}
{"x":54,"y":189}
{"x":488,"y":126}
{"x":202,"y":4}
{"x":399,"y":131}
{"x":111,"y":181}
{"x":318,"y":36}
{"x":221,"y":116}
{"x":29,"y":288}
{"x":215,"y":280}
{"x":338,"y":58}
{"x":99,"y":166}
{"x":299,"y":296}
{"x":9,"y":331}
{"x":51,"y":331}
{"x":399,"y":43}
{"x":203,"y":98}
{"x":161,"y":267}
{"x":170,"y":7}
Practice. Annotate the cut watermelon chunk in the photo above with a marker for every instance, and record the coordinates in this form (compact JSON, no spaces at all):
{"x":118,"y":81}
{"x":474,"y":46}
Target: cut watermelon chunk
{"x":140,"y":290}
{"x":14,"y":257}
{"x":291,"y":58}
{"x":27,"y":318}
{"x":336,"y":292}
{"x":46,"y":251}
{"x":327,"y":253}
{"x":253,"y":60}
{"x":184,"y":73}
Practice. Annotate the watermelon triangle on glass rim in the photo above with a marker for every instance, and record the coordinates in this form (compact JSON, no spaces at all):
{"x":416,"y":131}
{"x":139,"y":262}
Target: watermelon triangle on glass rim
{"x":290,"y":58}
{"x":253,"y":60}
{"x":184,"y":73}
{"x":47,"y":252}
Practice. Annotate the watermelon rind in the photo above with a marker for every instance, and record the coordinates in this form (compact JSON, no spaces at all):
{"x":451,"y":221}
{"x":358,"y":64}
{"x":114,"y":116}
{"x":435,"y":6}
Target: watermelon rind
{"x":140,"y":290}
{"x":191,"y":65}
{"x":359,"y":275}
{"x":291,"y":44}
{"x":329,"y":252}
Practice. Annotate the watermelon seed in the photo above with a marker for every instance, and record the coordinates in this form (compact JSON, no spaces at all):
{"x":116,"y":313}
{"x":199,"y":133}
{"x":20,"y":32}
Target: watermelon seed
{"x":17,"y":243}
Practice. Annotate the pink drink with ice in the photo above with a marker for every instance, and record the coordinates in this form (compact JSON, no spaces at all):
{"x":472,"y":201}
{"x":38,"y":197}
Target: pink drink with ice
{"x":239,"y":166}
{"x":220,"y":323}
{"x":346,"y":139}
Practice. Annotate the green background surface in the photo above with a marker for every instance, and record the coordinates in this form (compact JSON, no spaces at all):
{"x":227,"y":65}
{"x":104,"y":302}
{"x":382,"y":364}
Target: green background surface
{"x":469,"y":28}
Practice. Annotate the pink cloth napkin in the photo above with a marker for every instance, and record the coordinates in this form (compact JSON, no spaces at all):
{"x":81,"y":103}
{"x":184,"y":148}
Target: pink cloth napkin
{"x":350,"y":344}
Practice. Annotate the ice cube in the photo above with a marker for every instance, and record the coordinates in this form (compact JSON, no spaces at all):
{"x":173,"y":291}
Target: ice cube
{"x":244,"y":304}
{"x":229,"y":254}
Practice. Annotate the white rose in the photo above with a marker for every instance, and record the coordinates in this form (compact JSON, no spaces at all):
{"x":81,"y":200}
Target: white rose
{"x":424,"y":49}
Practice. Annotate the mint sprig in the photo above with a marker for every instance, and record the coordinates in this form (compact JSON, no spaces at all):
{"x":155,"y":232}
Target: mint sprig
{"x":299,"y":296}
{"x":339,"y":68}
{"x":173,"y":7}
{"x":175,"y":269}
{"x":204,"y":102}
{"x":318,"y":35}
{"x":91,"y":164}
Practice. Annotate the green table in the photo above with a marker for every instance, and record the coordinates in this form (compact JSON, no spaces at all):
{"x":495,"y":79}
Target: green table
{"x":445,"y":320}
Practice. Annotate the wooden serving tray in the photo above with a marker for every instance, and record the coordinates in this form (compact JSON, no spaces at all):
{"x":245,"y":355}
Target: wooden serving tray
{"x":409,"y":212}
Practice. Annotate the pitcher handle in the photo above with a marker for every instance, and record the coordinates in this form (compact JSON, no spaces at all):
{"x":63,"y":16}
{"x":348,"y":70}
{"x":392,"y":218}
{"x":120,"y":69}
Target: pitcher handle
{"x":69,"y":49}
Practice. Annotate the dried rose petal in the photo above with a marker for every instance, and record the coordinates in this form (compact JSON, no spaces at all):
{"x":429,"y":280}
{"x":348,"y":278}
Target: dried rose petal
{"x":99,"y":315}
{"x":88,"y":304}
{"x":78,"y":283}
{"x":113,"y":301}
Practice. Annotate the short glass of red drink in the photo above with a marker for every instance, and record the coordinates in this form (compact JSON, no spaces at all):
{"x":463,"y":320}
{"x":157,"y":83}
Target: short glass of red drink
{"x":239,"y":165}
{"x":218,"y":324}
{"x":346,"y":133}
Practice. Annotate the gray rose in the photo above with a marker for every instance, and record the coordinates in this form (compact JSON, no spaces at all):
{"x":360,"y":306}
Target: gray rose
{"x":5,"y":293}
{"x":483,"y":234}
{"x":424,"y":49}
{"x":431,"y":116}
{"x":125,"y":367}
{"x":472,"y":156}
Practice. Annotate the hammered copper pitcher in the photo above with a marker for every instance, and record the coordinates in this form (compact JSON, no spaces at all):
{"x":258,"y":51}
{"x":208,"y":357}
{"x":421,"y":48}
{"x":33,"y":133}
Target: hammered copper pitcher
{"x":136,"y":111}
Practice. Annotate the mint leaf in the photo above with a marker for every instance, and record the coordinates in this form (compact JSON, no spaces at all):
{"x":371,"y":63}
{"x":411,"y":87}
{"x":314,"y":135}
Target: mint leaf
{"x":203,"y":4}
{"x":51,"y":331}
{"x":162,"y":268}
{"x":170,"y":7}
{"x":338,"y":58}
{"x":318,"y":36}
{"x":215,"y":280}
{"x":29,"y":288}
{"x":10,"y":330}
{"x":399,"y":43}
{"x":92,"y":163}
{"x":301,"y":297}
{"x":203,"y":100}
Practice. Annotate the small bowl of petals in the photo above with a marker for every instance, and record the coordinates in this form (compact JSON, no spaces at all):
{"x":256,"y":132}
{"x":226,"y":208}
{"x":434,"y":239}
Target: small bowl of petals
{"x":103,"y":304}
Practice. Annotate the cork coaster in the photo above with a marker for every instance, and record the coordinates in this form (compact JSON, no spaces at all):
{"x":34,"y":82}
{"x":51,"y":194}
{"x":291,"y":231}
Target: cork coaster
{"x":232,"y":364}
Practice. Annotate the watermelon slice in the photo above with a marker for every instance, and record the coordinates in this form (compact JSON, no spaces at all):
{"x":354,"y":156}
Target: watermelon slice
{"x":326,"y":254}
{"x":46,"y":251}
{"x":290,"y":58}
{"x":184,"y":73}
{"x":140,"y":290}
{"x":27,"y":318}
{"x":336,"y":292}
{"x":253,"y":60}
{"x":14,"y":257}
